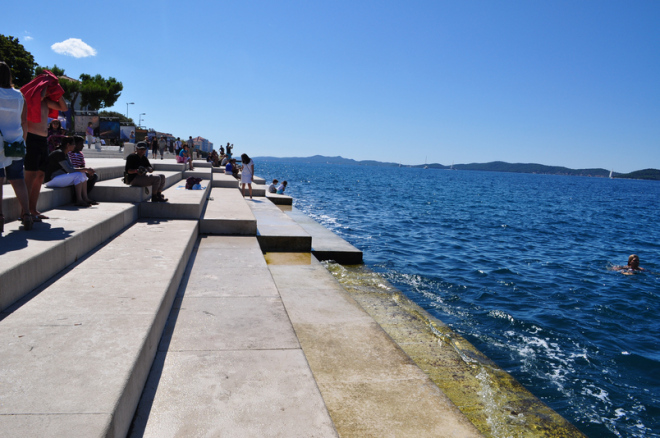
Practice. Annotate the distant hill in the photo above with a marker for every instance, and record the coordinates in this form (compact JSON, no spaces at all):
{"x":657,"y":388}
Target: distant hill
{"x":494,"y":166}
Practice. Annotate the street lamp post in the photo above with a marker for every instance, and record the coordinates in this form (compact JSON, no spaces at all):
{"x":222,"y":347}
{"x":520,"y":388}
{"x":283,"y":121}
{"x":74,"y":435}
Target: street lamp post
{"x":140,"y":122}
{"x":127,"y":104}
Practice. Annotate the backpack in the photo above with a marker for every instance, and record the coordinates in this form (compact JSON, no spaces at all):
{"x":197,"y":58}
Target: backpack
{"x":191,"y":181}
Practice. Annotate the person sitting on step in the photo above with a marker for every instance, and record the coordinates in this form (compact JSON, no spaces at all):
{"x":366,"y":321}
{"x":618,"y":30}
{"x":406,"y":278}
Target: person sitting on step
{"x":137,"y":168}
{"x":60,"y":172}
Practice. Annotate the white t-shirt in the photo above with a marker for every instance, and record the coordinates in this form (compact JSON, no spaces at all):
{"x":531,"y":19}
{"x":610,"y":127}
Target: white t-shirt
{"x":11,"y":109}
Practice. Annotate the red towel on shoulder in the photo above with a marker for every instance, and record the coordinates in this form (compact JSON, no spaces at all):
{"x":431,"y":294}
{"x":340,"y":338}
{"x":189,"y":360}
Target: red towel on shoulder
{"x":32,"y":93}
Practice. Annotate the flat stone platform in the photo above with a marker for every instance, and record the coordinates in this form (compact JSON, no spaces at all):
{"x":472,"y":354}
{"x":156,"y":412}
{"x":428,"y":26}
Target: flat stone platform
{"x":285,"y":352}
{"x":326,"y":245}
{"x":276,"y":231}
{"x":227,"y":213}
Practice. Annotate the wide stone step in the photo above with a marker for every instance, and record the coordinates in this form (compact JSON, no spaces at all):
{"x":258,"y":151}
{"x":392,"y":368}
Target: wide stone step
{"x":28,"y":258}
{"x":279,"y":199}
{"x":74,"y":358}
{"x":115,"y":190}
{"x":277,"y":232}
{"x":326,"y":245}
{"x":370,"y":386}
{"x":224,"y":180}
{"x":50,"y":198}
{"x":202,"y":172}
{"x":229,"y":362}
{"x":227,"y":213}
{"x":182,"y":203}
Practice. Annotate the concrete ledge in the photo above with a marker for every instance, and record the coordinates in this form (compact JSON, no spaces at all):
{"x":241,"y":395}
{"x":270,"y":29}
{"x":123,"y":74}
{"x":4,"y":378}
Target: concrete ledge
{"x":279,"y":199}
{"x":80,"y":351}
{"x":115,"y":190}
{"x":224,"y":180}
{"x":28,"y":258}
{"x":182,"y":204}
{"x":229,"y":363}
{"x":369,"y":385}
{"x":227,"y":213}
{"x":203,"y":173}
{"x":167,"y":165}
{"x":326,"y":245}
{"x":276,"y":232}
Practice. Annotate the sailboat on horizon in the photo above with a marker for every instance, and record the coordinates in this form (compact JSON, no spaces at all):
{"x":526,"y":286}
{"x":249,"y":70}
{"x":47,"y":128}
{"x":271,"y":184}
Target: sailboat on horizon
{"x":611,"y":172}
{"x":425,"y":160}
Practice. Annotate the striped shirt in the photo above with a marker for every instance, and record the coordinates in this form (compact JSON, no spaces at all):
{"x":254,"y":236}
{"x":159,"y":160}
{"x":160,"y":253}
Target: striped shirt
{"x":77,"y":159}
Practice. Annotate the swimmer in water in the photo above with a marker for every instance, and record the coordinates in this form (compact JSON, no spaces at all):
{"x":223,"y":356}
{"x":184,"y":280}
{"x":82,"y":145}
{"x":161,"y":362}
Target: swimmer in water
{"x":633,"y":265}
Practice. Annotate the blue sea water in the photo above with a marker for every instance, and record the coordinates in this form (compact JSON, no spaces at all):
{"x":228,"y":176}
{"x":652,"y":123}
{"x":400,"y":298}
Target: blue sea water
{"x":520,"y":265}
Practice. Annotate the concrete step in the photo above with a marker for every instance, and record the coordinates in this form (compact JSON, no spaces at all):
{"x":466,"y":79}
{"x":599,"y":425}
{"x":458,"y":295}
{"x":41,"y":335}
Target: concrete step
{"x":229,"y":362}
{"x":224,"y":180}
{"x":75,"y":357}
{"x":28,"y":258}
{"x":279,"y":199}
{"x":371,"y":388}
{"x":277,"y":232}
{"x":115,"y":190}
{"x":182,"y":204}
{"x":326,"y":245}
{"x":257,"y":190}
{"x":227,"y":213}
{"x":53,"y":198}
{"x":168,"y":164}
{"x":202,"y":163}
{"x":201,"y":172}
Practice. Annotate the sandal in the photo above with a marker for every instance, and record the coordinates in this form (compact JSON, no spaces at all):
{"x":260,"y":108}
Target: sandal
{"x":27,"y":221}
{"x":81,"y":204}
{"x":90,"y":202}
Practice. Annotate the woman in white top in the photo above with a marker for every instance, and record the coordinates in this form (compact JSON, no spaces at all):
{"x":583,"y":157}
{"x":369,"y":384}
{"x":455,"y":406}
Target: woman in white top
{"x":247,"y":174}
{"x":13,"y":125}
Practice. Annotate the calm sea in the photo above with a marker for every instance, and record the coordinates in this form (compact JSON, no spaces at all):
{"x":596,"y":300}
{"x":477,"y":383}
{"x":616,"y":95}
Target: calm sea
{"x":520,"y":265}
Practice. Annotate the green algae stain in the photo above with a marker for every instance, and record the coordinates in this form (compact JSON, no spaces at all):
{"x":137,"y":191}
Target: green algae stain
{"x":496,"y":403}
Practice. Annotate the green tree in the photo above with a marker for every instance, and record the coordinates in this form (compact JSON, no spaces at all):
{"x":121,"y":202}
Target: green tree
{"x":115,"y":115}
{"x":20,"y":61}
{"x":97,"y":92}
{"x":54,"y":70}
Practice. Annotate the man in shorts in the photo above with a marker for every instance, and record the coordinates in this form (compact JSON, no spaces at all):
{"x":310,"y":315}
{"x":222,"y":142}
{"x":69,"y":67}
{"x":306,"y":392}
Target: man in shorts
{"x":137,"y":168}
{"x":44,"y":97}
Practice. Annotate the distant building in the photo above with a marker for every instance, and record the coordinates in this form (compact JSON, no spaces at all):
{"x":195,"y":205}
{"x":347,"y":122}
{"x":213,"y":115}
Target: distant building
{"x":203,"y":144}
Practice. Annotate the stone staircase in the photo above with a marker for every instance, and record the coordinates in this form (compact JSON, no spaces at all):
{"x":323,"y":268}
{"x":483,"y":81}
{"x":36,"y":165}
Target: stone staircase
{"x":85,"y":295}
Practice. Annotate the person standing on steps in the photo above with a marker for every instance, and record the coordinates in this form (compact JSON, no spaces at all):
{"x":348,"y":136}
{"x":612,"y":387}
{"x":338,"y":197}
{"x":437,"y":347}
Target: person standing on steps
{"x":136,"y":170}
{"x":247,"y":174}
{"x":90,"y":135}
{"x":44,"y":98}
{"x":13,"y":126}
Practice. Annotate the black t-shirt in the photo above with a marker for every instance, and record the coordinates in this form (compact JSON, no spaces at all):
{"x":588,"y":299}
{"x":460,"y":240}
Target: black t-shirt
{"x":53,"y":164}
{"x":133,"y":162}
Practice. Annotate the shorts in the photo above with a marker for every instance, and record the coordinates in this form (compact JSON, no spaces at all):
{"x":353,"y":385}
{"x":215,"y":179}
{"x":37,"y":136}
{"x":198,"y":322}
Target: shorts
{"x":13,"y":171}
{"x":36,"y":153}
{"x":67,"y":179}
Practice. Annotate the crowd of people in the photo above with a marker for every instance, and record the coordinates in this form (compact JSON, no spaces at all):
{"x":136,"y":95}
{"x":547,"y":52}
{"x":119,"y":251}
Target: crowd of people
{"x":36,"y":152}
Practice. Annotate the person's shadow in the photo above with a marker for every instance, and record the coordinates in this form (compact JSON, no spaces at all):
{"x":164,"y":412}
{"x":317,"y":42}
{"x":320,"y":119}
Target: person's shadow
{"x":16,"y":240}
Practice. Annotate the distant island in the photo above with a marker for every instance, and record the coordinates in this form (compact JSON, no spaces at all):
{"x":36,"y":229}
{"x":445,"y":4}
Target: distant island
{"x":494,"y":166}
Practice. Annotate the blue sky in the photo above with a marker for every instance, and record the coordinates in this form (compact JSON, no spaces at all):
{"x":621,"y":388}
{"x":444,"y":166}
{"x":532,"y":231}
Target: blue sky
{"x":568,"y":83}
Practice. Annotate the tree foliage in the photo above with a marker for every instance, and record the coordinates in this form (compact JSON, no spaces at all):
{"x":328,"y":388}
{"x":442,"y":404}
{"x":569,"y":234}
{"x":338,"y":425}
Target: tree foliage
{"x":97,"y":92}
{"x":20,"y":61}
{"x":54,"y":70}
{"x":115,"y":115}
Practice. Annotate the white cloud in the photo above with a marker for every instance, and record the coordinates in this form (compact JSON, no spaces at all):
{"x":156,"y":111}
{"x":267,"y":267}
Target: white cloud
{"x":74,"y":47}
{"x":28,"y":38}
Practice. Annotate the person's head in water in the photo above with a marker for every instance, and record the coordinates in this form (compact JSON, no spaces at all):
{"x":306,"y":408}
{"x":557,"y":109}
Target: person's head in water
{"x":633,"y":261}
